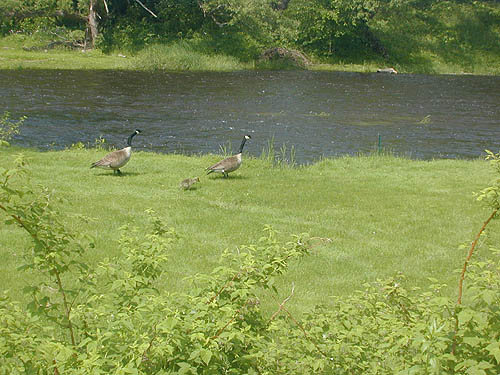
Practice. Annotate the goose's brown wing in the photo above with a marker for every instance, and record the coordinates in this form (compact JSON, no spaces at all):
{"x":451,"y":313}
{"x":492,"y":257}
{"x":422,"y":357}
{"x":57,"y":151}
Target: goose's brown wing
{"x":229,"y":164}
{"x":114,"y":159}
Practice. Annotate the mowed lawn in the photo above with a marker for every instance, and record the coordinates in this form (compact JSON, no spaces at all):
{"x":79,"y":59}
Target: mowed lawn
{"x":369,"y":217}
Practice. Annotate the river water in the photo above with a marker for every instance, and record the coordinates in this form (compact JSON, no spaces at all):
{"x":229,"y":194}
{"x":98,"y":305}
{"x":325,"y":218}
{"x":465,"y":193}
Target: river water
{"x":318,"y":113}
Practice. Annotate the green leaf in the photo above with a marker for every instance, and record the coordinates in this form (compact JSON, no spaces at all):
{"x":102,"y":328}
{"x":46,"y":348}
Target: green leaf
{"x":185,"y":368}
{"x":168,"y":324}
{"x":489,"y":296}
{"x":494,"y":350}
{"x":475,"y":371}
{"x":464,"y":316}
{"x":472,"y":341}
{"x":206,"y":355}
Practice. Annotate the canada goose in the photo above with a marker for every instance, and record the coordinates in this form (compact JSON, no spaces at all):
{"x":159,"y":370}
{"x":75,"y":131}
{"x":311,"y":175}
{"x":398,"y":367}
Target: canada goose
{"x":229,"y":164}
{"x":188,"y":182}
{"x":117,"y":159}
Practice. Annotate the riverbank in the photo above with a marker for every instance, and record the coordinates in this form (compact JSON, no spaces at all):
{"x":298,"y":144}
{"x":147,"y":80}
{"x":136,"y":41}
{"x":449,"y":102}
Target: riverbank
{"x":21,"y":52}
{"x":370,"y":216}
{"x":176,"y":57}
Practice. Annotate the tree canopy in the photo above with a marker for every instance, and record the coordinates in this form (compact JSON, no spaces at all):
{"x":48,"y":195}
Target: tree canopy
{"x":321,"y":28}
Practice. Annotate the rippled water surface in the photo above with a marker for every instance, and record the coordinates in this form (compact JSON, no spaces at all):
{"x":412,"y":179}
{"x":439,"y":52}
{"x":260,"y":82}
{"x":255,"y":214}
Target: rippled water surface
{"x":318,"y":113}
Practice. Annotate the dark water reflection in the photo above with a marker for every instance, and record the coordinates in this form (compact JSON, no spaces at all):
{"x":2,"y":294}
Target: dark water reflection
{"x":319,"y":113}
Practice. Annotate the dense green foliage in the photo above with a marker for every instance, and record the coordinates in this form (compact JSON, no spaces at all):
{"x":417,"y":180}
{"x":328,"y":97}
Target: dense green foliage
{"x":9,"y":128}
{"x":420,"y":35}
{"x":116,"y":319}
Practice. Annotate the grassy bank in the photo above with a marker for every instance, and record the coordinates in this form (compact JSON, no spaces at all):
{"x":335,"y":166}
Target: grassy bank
{"x":16,"y":53}
{"x":448,"y":37}
{"x":182,"y":57}
{"x":370,"y":216}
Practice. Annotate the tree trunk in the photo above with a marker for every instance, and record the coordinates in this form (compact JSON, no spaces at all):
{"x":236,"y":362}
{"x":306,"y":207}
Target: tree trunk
{"x":92,"y":24}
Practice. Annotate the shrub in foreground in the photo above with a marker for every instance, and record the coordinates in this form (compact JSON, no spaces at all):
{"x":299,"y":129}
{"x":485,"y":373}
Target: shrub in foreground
{"x":9,"y":128}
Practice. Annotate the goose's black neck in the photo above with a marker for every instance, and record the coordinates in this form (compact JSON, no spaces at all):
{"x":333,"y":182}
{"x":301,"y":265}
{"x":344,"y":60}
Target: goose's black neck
{"x":129,"y":140}
{"x":242,"y":144}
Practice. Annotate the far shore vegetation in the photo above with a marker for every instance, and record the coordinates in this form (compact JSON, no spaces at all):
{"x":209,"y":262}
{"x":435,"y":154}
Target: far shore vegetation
{"x":431,"y":37}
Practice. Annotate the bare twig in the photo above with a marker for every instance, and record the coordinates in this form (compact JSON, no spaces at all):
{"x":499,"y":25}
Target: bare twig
{"x":283,"y":308}
{"x":211,"y":14}
{"x":217,"y":22}
{"x":469,"y":256}
{"x":106,"y":6}
{"x":321,"y":241}
{"x":282,"y":304}
{"x":142,"y":5}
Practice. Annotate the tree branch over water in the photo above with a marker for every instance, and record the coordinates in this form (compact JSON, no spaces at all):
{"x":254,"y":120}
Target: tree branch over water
{"x":142,"y":5}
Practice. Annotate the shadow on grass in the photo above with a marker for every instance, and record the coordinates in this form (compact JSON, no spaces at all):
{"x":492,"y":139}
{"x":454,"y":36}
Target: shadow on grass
{"x":190,"y":189}
{"x":230,"y":177}
{"x":123,"y":174}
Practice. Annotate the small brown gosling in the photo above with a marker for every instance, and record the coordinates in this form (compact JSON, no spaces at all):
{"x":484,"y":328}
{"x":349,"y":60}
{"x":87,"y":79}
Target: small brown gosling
{"x":188,"y":183}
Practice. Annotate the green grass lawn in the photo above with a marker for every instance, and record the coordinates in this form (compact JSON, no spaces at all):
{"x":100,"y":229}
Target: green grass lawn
{"x":371,"y":216}
{"x":16,"y":58}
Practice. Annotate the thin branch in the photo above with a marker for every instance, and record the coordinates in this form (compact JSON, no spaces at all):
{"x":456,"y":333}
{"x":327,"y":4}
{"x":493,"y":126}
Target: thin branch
{"x":469,"y":256}
{"x":321,"y":240}
{"x":56,"y":371}
{"x":58,"y":278}
{"x":211,"y":14}
{"x":145,"y":354}
{"x":282,"y":304}
{"x":462,"y":276}
{"x":73,"y":302}
{"x":217,"y":22}
{"x":142,"y":5}
{"x":20,"y":222}
{"x":67,"y":308}
{"x":106,"y":6}
{"x":230,"y":321}
{"x":227,"y":284}
{"x":304,"y":332}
